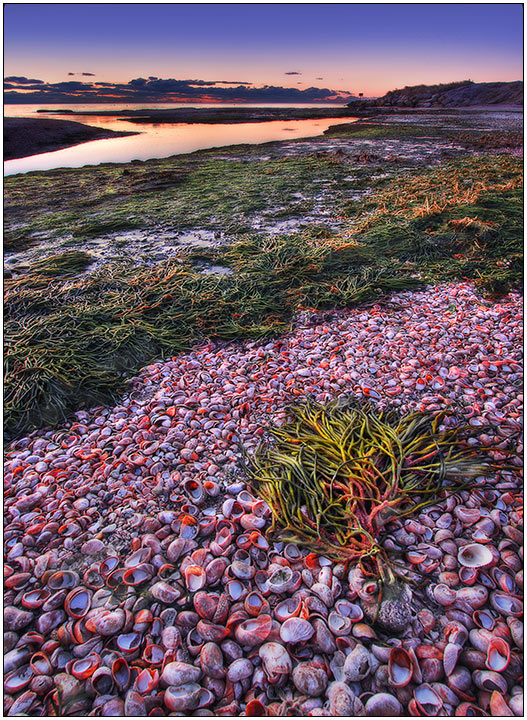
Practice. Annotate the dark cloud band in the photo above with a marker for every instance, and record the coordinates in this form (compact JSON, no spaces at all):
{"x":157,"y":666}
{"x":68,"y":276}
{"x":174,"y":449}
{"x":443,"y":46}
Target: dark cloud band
{"x":153,"y":89}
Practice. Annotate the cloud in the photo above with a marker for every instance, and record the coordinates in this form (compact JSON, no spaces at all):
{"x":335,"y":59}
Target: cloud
{"x":292,"y":73}
{"x":154,"y":84}
{"x":17,"y":86}
{"x":21,"y":80}
{"x":92,"y":74}
{"x":319,"y":78}
{"x":153,"y":89}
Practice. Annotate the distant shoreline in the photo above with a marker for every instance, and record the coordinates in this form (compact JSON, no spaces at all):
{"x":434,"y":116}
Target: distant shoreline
{"x":215,"y":115}
{"x":24,"y":137}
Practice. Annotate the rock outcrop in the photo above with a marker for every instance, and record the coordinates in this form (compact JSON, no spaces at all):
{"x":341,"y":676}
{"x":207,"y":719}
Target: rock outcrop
{"x":458,"y":94}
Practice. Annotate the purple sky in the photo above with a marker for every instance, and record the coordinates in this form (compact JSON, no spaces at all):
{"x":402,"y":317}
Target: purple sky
{"x":353,"y":48}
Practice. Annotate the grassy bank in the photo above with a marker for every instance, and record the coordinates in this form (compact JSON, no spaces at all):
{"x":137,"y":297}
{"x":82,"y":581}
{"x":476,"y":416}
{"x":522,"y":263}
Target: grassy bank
{"x":72,"y":338}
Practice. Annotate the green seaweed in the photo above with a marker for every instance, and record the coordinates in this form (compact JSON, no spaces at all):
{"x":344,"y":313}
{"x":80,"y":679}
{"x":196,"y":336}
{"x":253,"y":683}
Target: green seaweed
{"x":67,"y":264}
{"x":335,"y":475}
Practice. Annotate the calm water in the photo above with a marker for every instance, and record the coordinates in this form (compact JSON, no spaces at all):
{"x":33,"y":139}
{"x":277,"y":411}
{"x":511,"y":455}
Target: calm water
{"x":156,"y":140}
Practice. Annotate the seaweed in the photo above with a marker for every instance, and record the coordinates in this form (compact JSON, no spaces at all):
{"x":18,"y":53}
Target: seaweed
{"x":336,"y":475}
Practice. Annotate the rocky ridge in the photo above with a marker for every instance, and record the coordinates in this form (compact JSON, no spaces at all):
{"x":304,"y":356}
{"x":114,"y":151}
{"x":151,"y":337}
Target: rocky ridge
{"x":457,"y":94}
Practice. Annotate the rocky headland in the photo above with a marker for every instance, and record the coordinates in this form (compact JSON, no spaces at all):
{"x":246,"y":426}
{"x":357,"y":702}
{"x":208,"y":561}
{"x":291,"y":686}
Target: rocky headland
{"x":451,"y":95}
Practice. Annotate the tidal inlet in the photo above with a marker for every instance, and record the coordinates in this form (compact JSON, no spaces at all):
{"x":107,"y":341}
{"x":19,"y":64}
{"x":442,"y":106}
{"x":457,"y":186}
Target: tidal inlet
{"x":263,"y":360}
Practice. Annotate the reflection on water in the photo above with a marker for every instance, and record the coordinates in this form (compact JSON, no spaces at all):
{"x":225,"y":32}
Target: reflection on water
{"x":158,"y":140}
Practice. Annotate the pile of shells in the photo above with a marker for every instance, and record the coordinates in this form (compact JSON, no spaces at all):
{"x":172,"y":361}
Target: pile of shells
{"x":139,"y":579}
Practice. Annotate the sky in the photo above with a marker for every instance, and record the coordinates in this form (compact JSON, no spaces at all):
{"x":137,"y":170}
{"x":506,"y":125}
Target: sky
{"x":340,"y":49}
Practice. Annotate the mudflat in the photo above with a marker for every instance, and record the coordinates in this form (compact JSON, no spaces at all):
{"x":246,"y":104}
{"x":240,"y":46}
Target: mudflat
{"x":31,"y":136}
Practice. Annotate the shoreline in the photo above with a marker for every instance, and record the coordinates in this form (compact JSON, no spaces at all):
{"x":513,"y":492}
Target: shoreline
{"x":24,"y":137}
{"x":211,"y":115}
{"x":347,"y":257}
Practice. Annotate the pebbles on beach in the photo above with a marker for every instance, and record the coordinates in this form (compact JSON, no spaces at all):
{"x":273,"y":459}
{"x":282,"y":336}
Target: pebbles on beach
{"x":139,"y":578}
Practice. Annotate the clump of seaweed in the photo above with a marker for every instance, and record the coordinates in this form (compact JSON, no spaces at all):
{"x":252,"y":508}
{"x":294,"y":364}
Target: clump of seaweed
{"x":66,"y":264}
{"x":337,"y":474}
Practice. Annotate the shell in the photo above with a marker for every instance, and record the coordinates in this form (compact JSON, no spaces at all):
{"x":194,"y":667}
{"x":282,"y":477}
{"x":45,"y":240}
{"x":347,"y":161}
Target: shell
{"x":40,"y":664}
{"x":179,"y":673}
{"x":129,"y":642}
{"x":63,"y":579}
{"x":254,"y":631}
{"x":280,"y":580}
{"x":516,"y":628}
{"x":77,"y":602}
{"x":134,"y":704}
{"x":489,"y":680}
{"x":358,"y":664}
{"x":498,"y":706}
{"x":506,"y":605}
{"x":428,"y":701}
{"x":121,"y":673}
{"x":211,"y":661}
{"x":183,"y":697}
{"x":310,"y":679}
{"x":138,"y":574}
{"x":342,"y":700}
{"x":211,"y":632}
{"x":338,"y":624}
{"x":35,"y":598}
{"x":450,"y":657}
{"x":255,"y":604}
{"x":85,"y":667}
{"x":102,"y":681}
{"x":400,"y":668}
{"x":295,"y":630}
{"x":165,"y":593}
{"x":288,"y":608}
{"x":146,"y":681}
{"x":275,"y":658}
{"x":383,"y":705}
{"x":474,"y":555}
{"x":18,"y":679}
{"x":195,"y":578}
{"x":239,"y":669}
{"x":498,"y":655}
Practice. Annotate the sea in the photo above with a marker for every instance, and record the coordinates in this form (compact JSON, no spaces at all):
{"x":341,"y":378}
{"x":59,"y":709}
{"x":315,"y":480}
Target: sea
{"x":156,"y":140}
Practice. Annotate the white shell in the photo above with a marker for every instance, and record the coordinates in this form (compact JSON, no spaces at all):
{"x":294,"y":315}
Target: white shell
{"x":474,"y":555}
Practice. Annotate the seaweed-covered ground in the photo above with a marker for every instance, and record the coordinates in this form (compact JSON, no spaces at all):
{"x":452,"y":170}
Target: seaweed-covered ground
{"x":110,"y":267}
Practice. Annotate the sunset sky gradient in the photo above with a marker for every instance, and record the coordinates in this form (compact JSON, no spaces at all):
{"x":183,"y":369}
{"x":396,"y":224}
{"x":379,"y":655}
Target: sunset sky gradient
{"x":352,"y":48}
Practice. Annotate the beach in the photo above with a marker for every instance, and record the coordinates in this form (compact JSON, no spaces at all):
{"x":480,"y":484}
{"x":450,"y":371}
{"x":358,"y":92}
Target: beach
{"x":163,"y":319}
